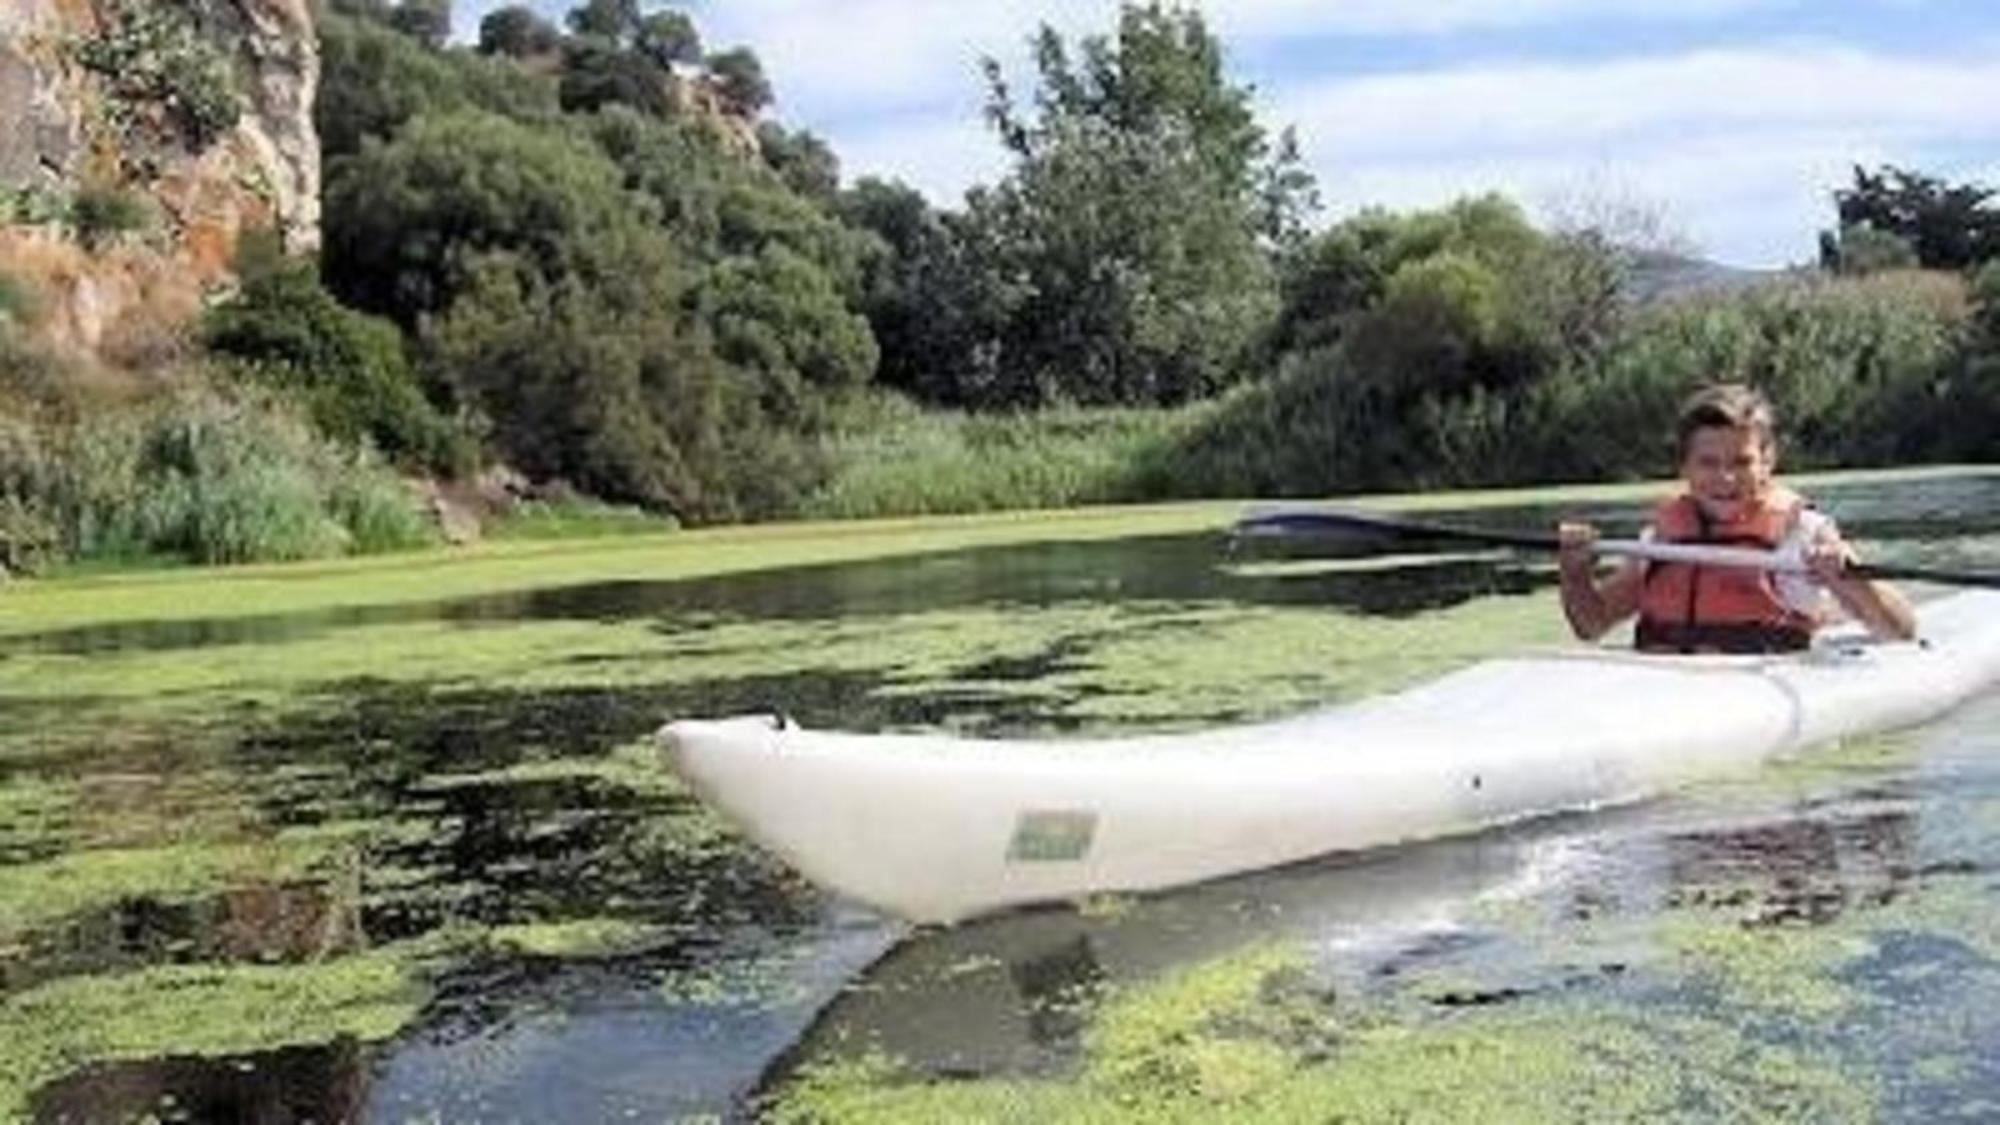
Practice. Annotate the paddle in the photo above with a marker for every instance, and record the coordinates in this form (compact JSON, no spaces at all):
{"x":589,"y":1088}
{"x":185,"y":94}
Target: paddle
{"x":1365,"y":528}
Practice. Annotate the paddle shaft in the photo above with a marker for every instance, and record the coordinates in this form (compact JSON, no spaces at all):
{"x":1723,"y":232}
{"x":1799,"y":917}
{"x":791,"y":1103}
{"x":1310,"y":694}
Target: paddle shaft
{"x":1347,"y":522}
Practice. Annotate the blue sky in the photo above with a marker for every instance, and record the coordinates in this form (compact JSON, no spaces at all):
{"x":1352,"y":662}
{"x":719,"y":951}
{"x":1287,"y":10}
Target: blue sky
{"x":1721,"y":126}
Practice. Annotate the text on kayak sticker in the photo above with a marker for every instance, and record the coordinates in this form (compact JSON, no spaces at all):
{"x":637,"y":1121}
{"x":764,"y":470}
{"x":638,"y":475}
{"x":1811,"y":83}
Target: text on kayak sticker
{"x":1051,"y":836}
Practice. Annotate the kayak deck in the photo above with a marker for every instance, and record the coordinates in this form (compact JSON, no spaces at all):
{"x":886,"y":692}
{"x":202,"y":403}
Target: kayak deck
{"x":936,"y":828}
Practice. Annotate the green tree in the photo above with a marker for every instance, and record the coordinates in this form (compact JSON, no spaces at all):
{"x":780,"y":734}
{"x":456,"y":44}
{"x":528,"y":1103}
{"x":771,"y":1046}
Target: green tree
{"x":1986,"y":303}
{"x":426,"y":21}
{"x":1949,"y":226}
{"x":599,"y":72}
{"x":933,"y":301}
{"x":668,"y":37}
{"x":405,"y":219}
{"x":739,"y":78}
{"x":373,"y":80}
{"x":801,"y":159}
{"x":776,"y":279}
{"x":1139,"y":216}
{"x":610,"y":388}
{"x":614,"y":20}
{"x":518,"y":32}
{"x":778,"y":314}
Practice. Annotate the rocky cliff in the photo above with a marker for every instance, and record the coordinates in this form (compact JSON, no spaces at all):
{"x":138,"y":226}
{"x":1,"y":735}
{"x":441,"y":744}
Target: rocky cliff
{"x":138,"y":140}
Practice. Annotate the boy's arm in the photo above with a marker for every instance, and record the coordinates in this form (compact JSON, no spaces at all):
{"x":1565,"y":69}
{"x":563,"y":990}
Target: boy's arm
{"x":1880,"y":607}
{"x":1592,"y":605}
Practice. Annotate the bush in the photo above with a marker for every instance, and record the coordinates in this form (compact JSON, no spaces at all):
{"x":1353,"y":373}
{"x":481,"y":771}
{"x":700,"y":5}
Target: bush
{"x":1864,"y":250}
{"x":198,"y":475}
{"x":18,"y":303}
{"x":348,"y":368}
{"x":31,"y":205}
{"x":98,"y":214}
{"x":154,"y":53}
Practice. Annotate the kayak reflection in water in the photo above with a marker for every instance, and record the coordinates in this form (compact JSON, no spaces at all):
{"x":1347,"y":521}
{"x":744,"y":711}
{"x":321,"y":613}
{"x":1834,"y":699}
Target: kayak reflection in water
{"x":1727,"y":444}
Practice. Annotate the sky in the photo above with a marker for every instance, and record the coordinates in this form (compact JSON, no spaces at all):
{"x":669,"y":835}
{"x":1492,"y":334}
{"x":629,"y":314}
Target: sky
{"x":1722,"y":127}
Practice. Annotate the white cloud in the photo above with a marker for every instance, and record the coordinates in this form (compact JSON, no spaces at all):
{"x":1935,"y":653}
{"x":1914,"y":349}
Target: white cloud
{"x":1292,"y":18}
{"x":1745,"y":145}
{"x":856,"y":54}
{"x":1544,"y":106}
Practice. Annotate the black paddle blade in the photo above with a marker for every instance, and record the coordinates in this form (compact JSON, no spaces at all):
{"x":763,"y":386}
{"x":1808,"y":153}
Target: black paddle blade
{"x":1363,"y":531}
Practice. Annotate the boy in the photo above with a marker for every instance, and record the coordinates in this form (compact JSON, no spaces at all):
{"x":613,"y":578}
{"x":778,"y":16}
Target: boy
{"x":1728,"y":453}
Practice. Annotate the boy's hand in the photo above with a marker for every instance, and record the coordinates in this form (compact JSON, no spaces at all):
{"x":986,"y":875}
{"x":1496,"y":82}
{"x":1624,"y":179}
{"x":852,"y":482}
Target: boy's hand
{"x":1573,"y":546}
{"x":1827,"y":558}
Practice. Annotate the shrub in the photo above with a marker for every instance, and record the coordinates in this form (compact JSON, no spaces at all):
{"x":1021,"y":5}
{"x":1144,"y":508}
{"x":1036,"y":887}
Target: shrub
{"x":17,"y":302}
{"x":198,"y":475}
{"x":31,"y":205}
{"x":1864,"y":250}
{"x":99,"y":214}
{"x":348,"y":368}
{"x":154,"y":53}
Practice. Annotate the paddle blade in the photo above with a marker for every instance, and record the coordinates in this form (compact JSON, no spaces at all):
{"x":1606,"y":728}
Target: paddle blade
{"x":1362,"y":531}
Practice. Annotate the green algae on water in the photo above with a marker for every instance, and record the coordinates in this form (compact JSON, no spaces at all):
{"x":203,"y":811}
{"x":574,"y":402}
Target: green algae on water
{"x":200,"y":1010}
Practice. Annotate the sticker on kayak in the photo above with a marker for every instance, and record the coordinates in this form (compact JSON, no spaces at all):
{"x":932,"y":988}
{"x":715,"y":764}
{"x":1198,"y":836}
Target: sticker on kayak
{"x":1051,"y":836}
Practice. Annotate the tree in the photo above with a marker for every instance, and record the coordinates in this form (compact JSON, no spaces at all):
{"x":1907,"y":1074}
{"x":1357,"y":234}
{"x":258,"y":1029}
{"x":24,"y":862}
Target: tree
{"x":373,"y":80}
{"x":1343,"y":272}
{"x":933,"y":303}
{"x":739,"y":78}
{"x":775,"y":279}
{"x":1142,"y":215}
{"x":598,"y":72}
{"x":518,"y":32}
{"x":668,"y":37}
{"x":406,"y":219}
{"x":801,"y":160}
{"x":616,"y":21}
{"x":426,"y":21}
{"x":1949,"y":226}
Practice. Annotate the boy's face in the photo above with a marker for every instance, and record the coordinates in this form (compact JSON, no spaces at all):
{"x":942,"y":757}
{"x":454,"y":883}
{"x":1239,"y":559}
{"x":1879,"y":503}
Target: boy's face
{"x":1727,"y":468}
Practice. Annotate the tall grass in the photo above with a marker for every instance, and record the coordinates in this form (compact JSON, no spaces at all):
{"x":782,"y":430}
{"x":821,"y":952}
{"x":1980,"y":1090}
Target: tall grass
{"x":194,"y":474}
{"x":889,"y":457}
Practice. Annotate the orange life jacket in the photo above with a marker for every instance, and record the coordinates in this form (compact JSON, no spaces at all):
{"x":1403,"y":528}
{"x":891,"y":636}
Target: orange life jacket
{"x":1687,"y":607}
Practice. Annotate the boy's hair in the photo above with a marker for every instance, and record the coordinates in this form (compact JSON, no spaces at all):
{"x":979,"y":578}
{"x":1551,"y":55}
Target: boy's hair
{"x":1735,"y":406}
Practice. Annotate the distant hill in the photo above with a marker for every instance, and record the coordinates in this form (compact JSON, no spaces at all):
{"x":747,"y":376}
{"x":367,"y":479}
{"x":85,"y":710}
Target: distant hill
{"x":1657,"y":276}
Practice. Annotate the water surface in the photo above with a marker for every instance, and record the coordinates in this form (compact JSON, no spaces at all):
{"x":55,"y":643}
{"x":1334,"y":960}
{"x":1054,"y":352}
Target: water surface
{"x":416,"y":861}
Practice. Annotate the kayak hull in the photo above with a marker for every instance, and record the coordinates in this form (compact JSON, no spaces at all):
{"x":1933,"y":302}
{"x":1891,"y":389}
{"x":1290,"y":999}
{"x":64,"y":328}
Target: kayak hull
{"x":936,"y":828}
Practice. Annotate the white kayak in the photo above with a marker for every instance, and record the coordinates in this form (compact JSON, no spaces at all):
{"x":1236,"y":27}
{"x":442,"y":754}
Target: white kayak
{"x":936,"y":828}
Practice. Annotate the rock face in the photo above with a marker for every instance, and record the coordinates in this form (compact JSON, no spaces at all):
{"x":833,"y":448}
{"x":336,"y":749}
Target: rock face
{"x":194,"y":116}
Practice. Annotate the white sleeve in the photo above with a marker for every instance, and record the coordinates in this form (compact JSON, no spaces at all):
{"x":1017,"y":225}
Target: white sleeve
{"x":1800,"y":591}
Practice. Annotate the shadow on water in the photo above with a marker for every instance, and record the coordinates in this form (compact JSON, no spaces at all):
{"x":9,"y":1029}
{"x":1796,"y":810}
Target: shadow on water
{"x":328,"y":1084}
